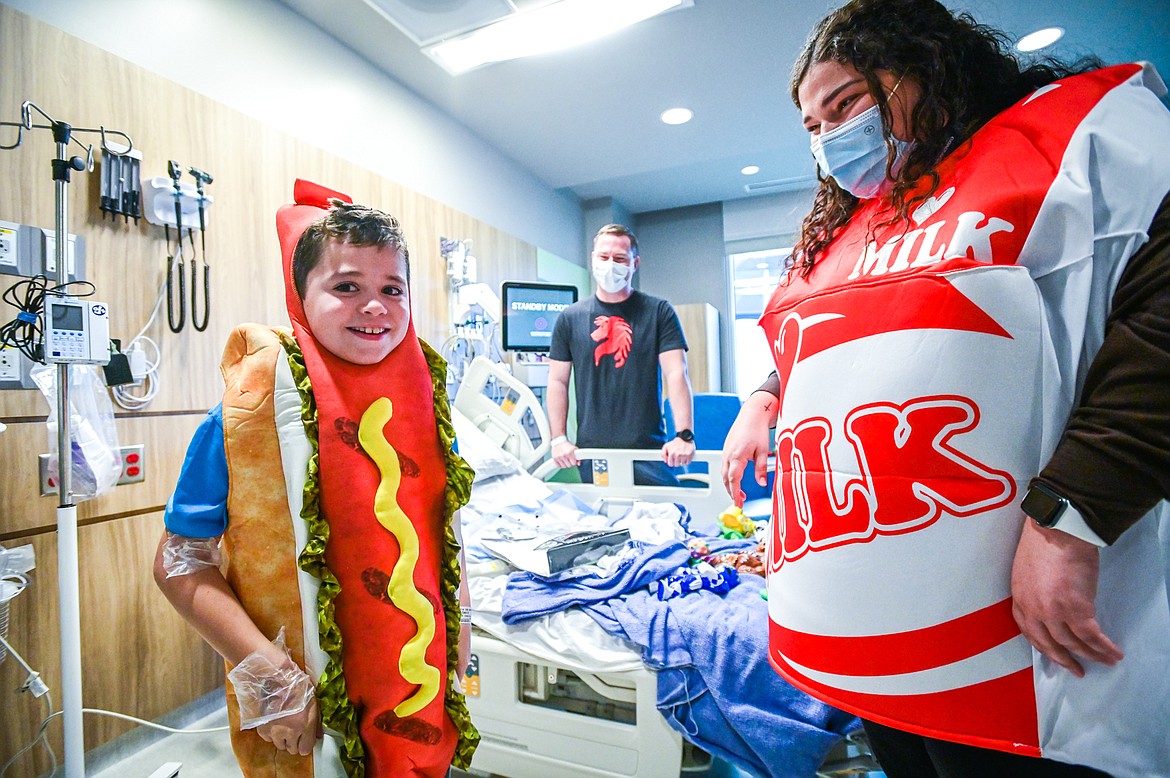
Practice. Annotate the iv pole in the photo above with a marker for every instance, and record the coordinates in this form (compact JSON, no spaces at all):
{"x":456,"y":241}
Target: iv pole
{"x":68,"y":582}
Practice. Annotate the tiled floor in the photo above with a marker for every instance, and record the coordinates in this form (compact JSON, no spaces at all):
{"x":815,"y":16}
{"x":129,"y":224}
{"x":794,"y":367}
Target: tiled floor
{"x":201,"y":756}
{"x":142,"y":752}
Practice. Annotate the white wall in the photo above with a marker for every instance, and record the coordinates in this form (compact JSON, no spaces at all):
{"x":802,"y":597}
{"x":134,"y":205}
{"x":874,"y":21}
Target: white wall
{"x":264,"y":60}
{"x":684,"y":251}
{"x":765,"y":217}
{"x":682,"y":259}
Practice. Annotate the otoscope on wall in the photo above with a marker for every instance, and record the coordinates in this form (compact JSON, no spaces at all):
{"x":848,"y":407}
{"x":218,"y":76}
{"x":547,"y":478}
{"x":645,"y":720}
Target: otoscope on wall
{"x":201,"y":177}
{"x":172,"y":202}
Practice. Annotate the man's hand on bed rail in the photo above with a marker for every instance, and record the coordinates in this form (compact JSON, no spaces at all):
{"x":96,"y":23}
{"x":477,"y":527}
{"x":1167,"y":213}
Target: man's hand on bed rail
{"x":678,"y":452}
{"x":749,"y":440}
{"x":565,"y":454}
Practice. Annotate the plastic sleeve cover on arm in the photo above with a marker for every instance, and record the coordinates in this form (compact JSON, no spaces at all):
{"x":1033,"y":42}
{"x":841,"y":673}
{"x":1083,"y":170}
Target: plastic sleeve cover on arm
{"x":266,"y":692}
{"x":183,"y":555}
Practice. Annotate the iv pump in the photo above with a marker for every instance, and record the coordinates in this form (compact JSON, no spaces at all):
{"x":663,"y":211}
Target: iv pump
{"x":76,"y":332}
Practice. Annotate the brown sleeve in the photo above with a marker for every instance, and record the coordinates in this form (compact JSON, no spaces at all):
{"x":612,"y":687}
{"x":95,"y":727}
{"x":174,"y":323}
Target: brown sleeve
{"x":1113,"y":462}
{"x":771,"y":385}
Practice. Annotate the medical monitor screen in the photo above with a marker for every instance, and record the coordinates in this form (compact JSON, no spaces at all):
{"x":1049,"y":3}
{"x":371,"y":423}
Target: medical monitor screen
{"x":530,"y":311}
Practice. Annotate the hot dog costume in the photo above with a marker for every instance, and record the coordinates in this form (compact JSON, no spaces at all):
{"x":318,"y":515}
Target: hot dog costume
{"x":927,"y":371}
{"x":343,"y":486}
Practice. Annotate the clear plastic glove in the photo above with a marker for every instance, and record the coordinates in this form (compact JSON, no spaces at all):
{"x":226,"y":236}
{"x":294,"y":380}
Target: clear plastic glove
{"x":266,"y":692}
{"x":183,"y":555}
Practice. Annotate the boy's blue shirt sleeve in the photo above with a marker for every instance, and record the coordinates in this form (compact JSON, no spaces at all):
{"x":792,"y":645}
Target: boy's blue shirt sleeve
{"x":198,"y":506}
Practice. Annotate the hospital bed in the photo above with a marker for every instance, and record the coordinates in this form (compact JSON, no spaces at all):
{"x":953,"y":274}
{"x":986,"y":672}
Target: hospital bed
{"x":558,"y":697}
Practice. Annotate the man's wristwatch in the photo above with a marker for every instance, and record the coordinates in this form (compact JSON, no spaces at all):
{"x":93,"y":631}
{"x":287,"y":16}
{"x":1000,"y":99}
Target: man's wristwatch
{"x":685,"y":435}
{"x":1052,"y":510}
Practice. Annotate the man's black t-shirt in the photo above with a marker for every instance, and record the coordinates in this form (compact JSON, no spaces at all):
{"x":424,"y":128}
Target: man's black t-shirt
{"x":614,"y":349}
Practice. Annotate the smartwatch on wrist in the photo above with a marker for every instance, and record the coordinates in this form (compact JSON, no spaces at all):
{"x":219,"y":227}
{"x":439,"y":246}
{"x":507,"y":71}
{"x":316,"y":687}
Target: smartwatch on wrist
{"x":685,"y":435}
{"x":1052,"y":510}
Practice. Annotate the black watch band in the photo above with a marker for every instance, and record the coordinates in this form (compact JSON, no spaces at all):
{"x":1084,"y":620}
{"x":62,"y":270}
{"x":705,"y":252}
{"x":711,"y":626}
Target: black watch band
{"x":1044,"y":505}
{"x":686,"y":435}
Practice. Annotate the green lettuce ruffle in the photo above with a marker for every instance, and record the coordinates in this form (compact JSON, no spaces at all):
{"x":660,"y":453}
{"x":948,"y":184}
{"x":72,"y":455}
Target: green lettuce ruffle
{"x":458,"y":492}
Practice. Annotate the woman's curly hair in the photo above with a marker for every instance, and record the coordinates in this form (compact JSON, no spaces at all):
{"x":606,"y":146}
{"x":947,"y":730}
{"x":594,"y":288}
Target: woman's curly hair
{"x":966,"y":74}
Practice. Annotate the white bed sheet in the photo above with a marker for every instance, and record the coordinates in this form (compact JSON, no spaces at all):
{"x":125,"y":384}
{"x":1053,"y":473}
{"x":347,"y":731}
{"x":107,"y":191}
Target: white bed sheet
{"x":518,"y":504}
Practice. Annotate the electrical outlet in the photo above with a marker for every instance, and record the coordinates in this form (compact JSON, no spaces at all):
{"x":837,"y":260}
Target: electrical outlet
{"x":133,"y":469}
{"x":9,"y":248}
{"x":9,"y":364}
{"x":14,"y":369}
{"x":133,"y":465}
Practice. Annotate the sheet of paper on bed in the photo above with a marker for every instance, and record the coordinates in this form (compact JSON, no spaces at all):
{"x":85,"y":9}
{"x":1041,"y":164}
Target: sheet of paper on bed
{"x":549,"y":554}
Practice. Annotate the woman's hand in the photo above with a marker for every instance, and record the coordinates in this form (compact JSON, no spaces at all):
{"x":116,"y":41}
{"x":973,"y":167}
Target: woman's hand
{"x":1054,"y":588}
{"x":749,"y":440}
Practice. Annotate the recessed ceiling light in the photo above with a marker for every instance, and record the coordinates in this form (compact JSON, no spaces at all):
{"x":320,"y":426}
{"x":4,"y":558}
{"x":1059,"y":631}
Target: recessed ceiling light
{"x":750,"y":170}
{"x":677,"y":115}
{"x":1039,"y":39}
{"x":549,"y":27}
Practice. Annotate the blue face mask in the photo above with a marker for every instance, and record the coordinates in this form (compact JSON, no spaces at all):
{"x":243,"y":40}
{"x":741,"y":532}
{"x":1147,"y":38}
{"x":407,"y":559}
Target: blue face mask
{"x":854,"y":153}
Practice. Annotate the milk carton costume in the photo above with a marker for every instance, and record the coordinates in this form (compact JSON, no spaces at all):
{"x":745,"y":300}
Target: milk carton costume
{"x":927,"y":371}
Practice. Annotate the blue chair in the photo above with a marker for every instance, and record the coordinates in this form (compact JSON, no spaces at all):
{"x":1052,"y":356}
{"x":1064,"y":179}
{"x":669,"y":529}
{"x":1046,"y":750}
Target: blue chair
{"x":715,"y":412}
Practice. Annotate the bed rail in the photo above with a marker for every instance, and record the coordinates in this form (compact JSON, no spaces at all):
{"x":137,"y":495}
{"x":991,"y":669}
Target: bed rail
{"x":614,"y":490}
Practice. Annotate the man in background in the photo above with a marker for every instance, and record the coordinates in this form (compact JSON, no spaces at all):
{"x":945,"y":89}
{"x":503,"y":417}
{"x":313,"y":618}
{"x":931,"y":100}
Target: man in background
{"x":620,"y":346}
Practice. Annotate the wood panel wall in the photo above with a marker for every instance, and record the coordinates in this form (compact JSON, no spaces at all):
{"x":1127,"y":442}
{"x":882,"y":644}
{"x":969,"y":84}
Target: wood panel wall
{"x":138,"y":656}
{"x":700,"y":325}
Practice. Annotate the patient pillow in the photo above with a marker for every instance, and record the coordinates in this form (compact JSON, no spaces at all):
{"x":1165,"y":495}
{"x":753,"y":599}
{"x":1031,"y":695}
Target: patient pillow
{"x":485,"y":457}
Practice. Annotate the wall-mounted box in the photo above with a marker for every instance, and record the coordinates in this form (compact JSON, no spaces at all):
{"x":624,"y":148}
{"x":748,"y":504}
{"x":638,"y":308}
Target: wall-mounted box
{"x":17,"y":252}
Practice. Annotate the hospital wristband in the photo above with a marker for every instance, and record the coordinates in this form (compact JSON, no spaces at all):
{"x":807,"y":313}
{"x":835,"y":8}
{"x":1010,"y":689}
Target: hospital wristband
{"x":558,"y":440}
{"x":464,"y":614}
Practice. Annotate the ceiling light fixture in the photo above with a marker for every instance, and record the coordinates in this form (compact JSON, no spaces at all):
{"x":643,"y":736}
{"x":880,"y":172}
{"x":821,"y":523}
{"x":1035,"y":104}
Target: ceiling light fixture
{"x":551,"y":27}
{"x":1039,"y":39}
{"x":677,"y":115}
{"x":750,"y":170}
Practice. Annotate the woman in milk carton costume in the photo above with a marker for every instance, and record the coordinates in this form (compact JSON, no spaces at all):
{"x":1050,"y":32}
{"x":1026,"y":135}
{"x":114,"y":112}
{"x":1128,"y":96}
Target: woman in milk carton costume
{"x":975,"y":330}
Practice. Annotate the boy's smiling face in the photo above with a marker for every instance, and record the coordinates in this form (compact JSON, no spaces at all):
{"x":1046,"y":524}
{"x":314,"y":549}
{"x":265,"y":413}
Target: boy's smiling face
{"x":357,"y":302}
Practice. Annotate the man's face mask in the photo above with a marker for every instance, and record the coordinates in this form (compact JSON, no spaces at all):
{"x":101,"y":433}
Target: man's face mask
{"x":854,"y":153}
{"x":611,"y":276}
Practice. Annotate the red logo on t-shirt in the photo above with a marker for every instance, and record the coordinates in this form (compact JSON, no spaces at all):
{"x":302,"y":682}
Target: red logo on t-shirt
{"x":614,"y":336}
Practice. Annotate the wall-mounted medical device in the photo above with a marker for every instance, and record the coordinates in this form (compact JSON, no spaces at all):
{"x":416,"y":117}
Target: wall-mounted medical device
{"x":77,"y":331}
{"x":159,"y":196}
{"x":530,"y":312}
{"x":121,"y":184}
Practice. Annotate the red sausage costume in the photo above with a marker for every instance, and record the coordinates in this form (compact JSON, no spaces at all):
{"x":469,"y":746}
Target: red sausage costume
{"x":927,"y":371}
{"x":381,"y":490}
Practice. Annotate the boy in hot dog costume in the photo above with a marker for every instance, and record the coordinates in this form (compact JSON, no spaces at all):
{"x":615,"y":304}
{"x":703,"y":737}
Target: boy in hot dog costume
{"x":1003,"y":334}
{"x":328,"y":471}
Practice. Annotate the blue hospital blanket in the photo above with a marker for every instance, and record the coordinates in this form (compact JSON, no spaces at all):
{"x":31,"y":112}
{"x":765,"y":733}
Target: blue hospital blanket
{"x":715,"y":685}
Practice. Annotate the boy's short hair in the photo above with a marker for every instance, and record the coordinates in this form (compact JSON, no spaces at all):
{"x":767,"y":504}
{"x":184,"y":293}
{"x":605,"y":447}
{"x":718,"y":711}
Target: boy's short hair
{"x":359,"y":225}
{"x":621,"y":231}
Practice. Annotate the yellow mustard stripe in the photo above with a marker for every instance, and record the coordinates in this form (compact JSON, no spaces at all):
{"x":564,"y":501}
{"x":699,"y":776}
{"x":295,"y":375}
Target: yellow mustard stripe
{"x":412,"y":663}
